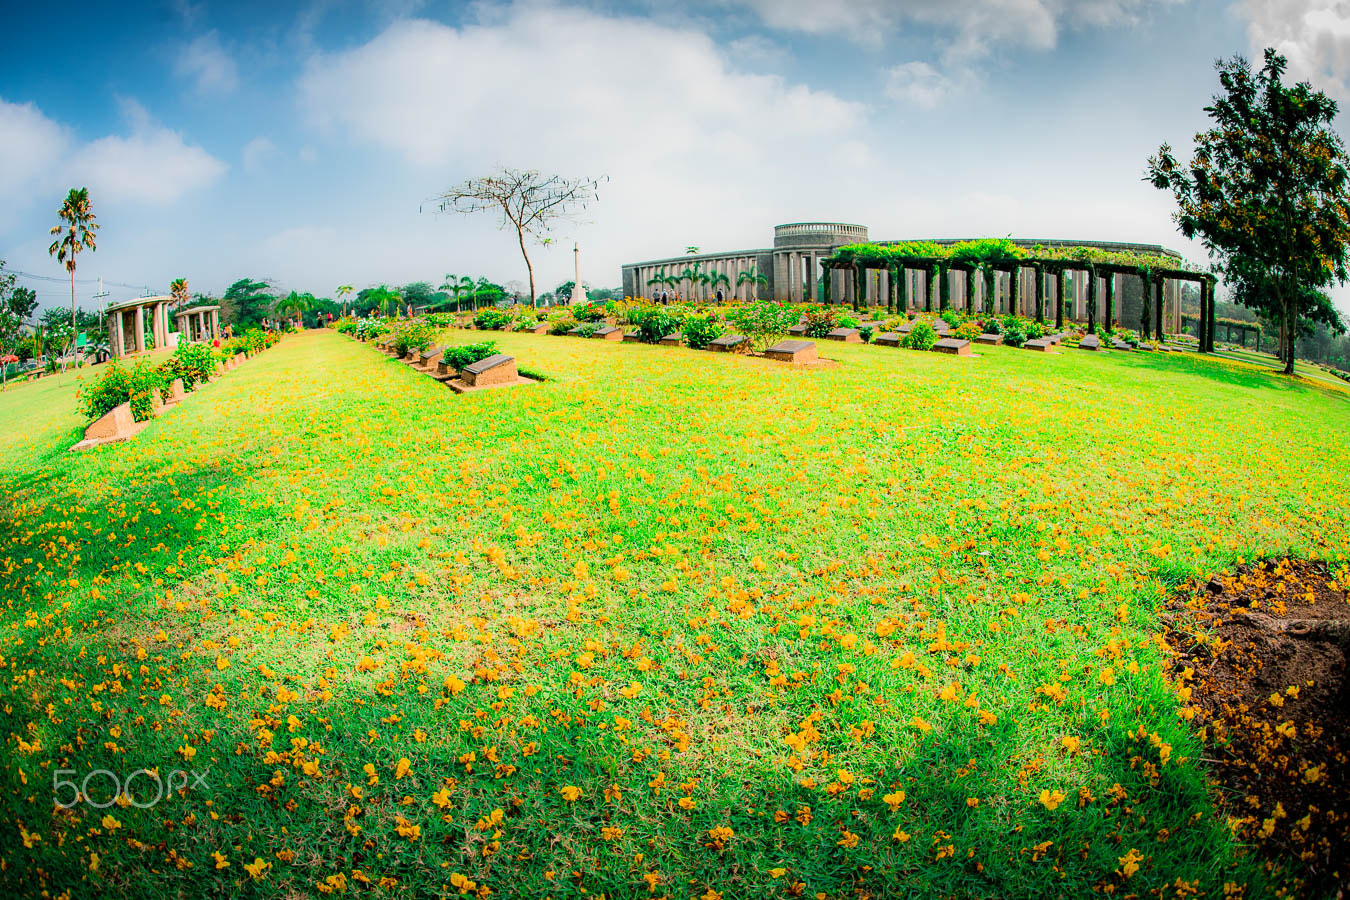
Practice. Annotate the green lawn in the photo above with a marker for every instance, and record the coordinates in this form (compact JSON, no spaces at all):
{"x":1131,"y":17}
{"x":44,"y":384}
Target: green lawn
{"x":888,"y":627}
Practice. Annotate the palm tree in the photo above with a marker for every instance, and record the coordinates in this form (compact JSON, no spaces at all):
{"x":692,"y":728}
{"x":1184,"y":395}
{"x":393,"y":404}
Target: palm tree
{"x":659,"y":279}
{"x":459,"y":286}
{"x":77,"y":233}
{"x":752,"y":277}
{"x":293,"y":305}
{"x":716,"y":280}
{"x":692,"y":274}
{"x":178,"y":290}
{"x":342,"y":292}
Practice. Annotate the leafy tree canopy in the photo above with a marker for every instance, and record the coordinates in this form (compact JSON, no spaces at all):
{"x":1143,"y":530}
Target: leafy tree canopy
{"x":248,"y":302}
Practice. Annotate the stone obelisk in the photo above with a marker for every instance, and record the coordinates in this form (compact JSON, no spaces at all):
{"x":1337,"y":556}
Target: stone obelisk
{"x":578,"y":292}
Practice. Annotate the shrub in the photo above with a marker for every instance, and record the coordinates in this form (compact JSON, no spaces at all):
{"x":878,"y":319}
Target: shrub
{"x":589,"y":313}
{"x":655,"y":322}
{"x":702,"y":329}
{"x":587,"y":329}
{"x":562,"y":324}
{"x":820,"y":321}
{"x":866,"y":334}
{"x":194,"y":363}
{"x":968,"y":331}
{"x":413,"y":337}
{"x":847,"y":322}
{"x":366,"y":329}
{"x":951,"y":317}
{"x":764,"y":323}
{"x":491,"y":319}
{"x":458,"y":357}
{"x":1033,"y":329}
{"x":109,"y":390}
{"x":1014,"y":336}
{"x":921,"y":337}
{"x":993,"y":326}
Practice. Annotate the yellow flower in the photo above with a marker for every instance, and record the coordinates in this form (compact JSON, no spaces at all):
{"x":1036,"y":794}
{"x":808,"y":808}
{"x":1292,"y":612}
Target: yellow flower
{"x":688,"y":803}
{"x":569,"y":793}
{"x":111,"y":824}
{"x":402,"y":768}
{"x":407,"y":829}
{"x":221,"y":861}
{"x":900,"y":835}
{"x":1051,"y":799}
{"x":893,"y":800}
{"x":1070,"y":743}
{"x":256,"y":868}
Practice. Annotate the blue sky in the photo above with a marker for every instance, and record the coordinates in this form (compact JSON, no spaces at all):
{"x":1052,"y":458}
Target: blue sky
{"x":297,"y":142}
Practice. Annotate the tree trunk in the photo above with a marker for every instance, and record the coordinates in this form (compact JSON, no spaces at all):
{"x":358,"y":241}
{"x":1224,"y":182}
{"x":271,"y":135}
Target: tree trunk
{"x":520,"y":236}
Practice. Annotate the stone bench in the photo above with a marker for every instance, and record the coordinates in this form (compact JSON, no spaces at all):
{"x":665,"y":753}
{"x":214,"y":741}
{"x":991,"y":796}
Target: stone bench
{"x":675,"y":339}
{"x":608,"y":333}
{"x":729,"y":343}
{"x":888,"y":339}
{"x":990,"y":339}
{"x":795,"y":352}
{"x":846,"y":335}
{"x":953,"y":346}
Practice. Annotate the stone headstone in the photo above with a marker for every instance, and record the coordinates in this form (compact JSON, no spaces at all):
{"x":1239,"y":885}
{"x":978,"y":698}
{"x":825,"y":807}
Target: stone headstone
{"x":847,"y":335}
{"x":239,"y":358}
{"x":1053,"y":338}
{"x":1118,"y":344}
{"x":797,"y":330}
{"x":430,"y":357}
{"x":117,"y":424}
{"x":889,"y":339}
{"x":176,"y":392}
{"x":632,"y":337}
{"x":1090,"y":342}
{"x":795,"y":352}
{"x":729,"y":343}
{"x":576,"y":332}
{"x":1039,"y":344}
{"x":496,"y":369}
{"x":675,"y":339}
{"x":1147,"y":348}
{"x":991,"y":339}
{"x":941,"y":326}
{"x":541,"y":328}
{"x":954,"y":346}
{"x":608,"y":333}
{"x":906,"y":327}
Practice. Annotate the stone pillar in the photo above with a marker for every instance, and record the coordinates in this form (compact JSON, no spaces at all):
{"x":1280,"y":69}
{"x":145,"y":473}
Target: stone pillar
{"x":115,"y":333}
{"x":140,"y":329}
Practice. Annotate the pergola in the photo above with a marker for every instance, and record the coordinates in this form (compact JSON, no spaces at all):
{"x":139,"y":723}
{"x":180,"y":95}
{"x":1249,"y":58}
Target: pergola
{"x":126,"y":324}
{"x":992,"y":257}
{"x":200,"y":323}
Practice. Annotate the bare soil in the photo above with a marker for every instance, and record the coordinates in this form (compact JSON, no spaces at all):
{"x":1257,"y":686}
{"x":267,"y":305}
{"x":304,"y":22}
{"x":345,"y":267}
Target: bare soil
{"x":1263,"y":651}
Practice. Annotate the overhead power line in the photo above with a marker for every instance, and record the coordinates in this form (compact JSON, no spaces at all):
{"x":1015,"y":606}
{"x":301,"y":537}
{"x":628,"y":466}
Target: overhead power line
{"x":134,"y":287}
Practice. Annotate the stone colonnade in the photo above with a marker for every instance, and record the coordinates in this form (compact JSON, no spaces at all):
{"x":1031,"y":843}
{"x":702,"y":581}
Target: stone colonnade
{"x":731,"y":266}
{"x":201,"y":323}
{"x":127,"y":325}
{"x":1034,"y":289}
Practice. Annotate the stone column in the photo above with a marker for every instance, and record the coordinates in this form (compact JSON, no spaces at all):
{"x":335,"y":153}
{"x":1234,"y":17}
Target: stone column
{"x":115,"y":333}
{"x":140,"y":329}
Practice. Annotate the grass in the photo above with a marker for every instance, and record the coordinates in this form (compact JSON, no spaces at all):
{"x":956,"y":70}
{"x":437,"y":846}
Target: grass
{"x":885,"y":628}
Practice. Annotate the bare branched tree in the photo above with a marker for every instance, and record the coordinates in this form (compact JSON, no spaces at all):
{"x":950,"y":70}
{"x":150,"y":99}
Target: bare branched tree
{"x":528,"y":201}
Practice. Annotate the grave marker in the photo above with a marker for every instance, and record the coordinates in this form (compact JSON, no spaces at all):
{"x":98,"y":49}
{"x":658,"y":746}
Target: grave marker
{"x":953,"y":346}
{"x":795,"y":352}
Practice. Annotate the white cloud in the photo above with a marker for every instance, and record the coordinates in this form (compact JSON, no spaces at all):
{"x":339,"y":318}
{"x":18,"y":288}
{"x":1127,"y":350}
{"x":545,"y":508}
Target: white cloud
{"x":207,"y":64}
{"x":685,"y":140}
{"x":32,"y":146}
{"x":1313,"y":34}
{"x":256,"y":152}
{"x":153,"y":165}
{"x":919,"y":84}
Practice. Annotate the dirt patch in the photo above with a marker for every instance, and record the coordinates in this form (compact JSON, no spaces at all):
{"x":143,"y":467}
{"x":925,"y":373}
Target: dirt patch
{"x":1263,"y":651}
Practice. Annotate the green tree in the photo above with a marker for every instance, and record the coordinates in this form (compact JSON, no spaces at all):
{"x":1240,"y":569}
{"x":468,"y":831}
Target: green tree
{"x":293,"y":305}
{"x":76,"y":232}
{"x":11,"y":333}
{"x":178,"y":290}
{"x":22,"y":301}
{"x":249,"y":302}
{"x":754,"y":279}
{"x":529,"y":203}
{"x":718,"y":280}
{"x":344,"y":291}
{"x":1267,"y":194}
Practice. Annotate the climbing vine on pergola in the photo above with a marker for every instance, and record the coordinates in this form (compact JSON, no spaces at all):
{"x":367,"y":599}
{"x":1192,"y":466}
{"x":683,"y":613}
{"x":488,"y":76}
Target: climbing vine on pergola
{"x":993,"y":255}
